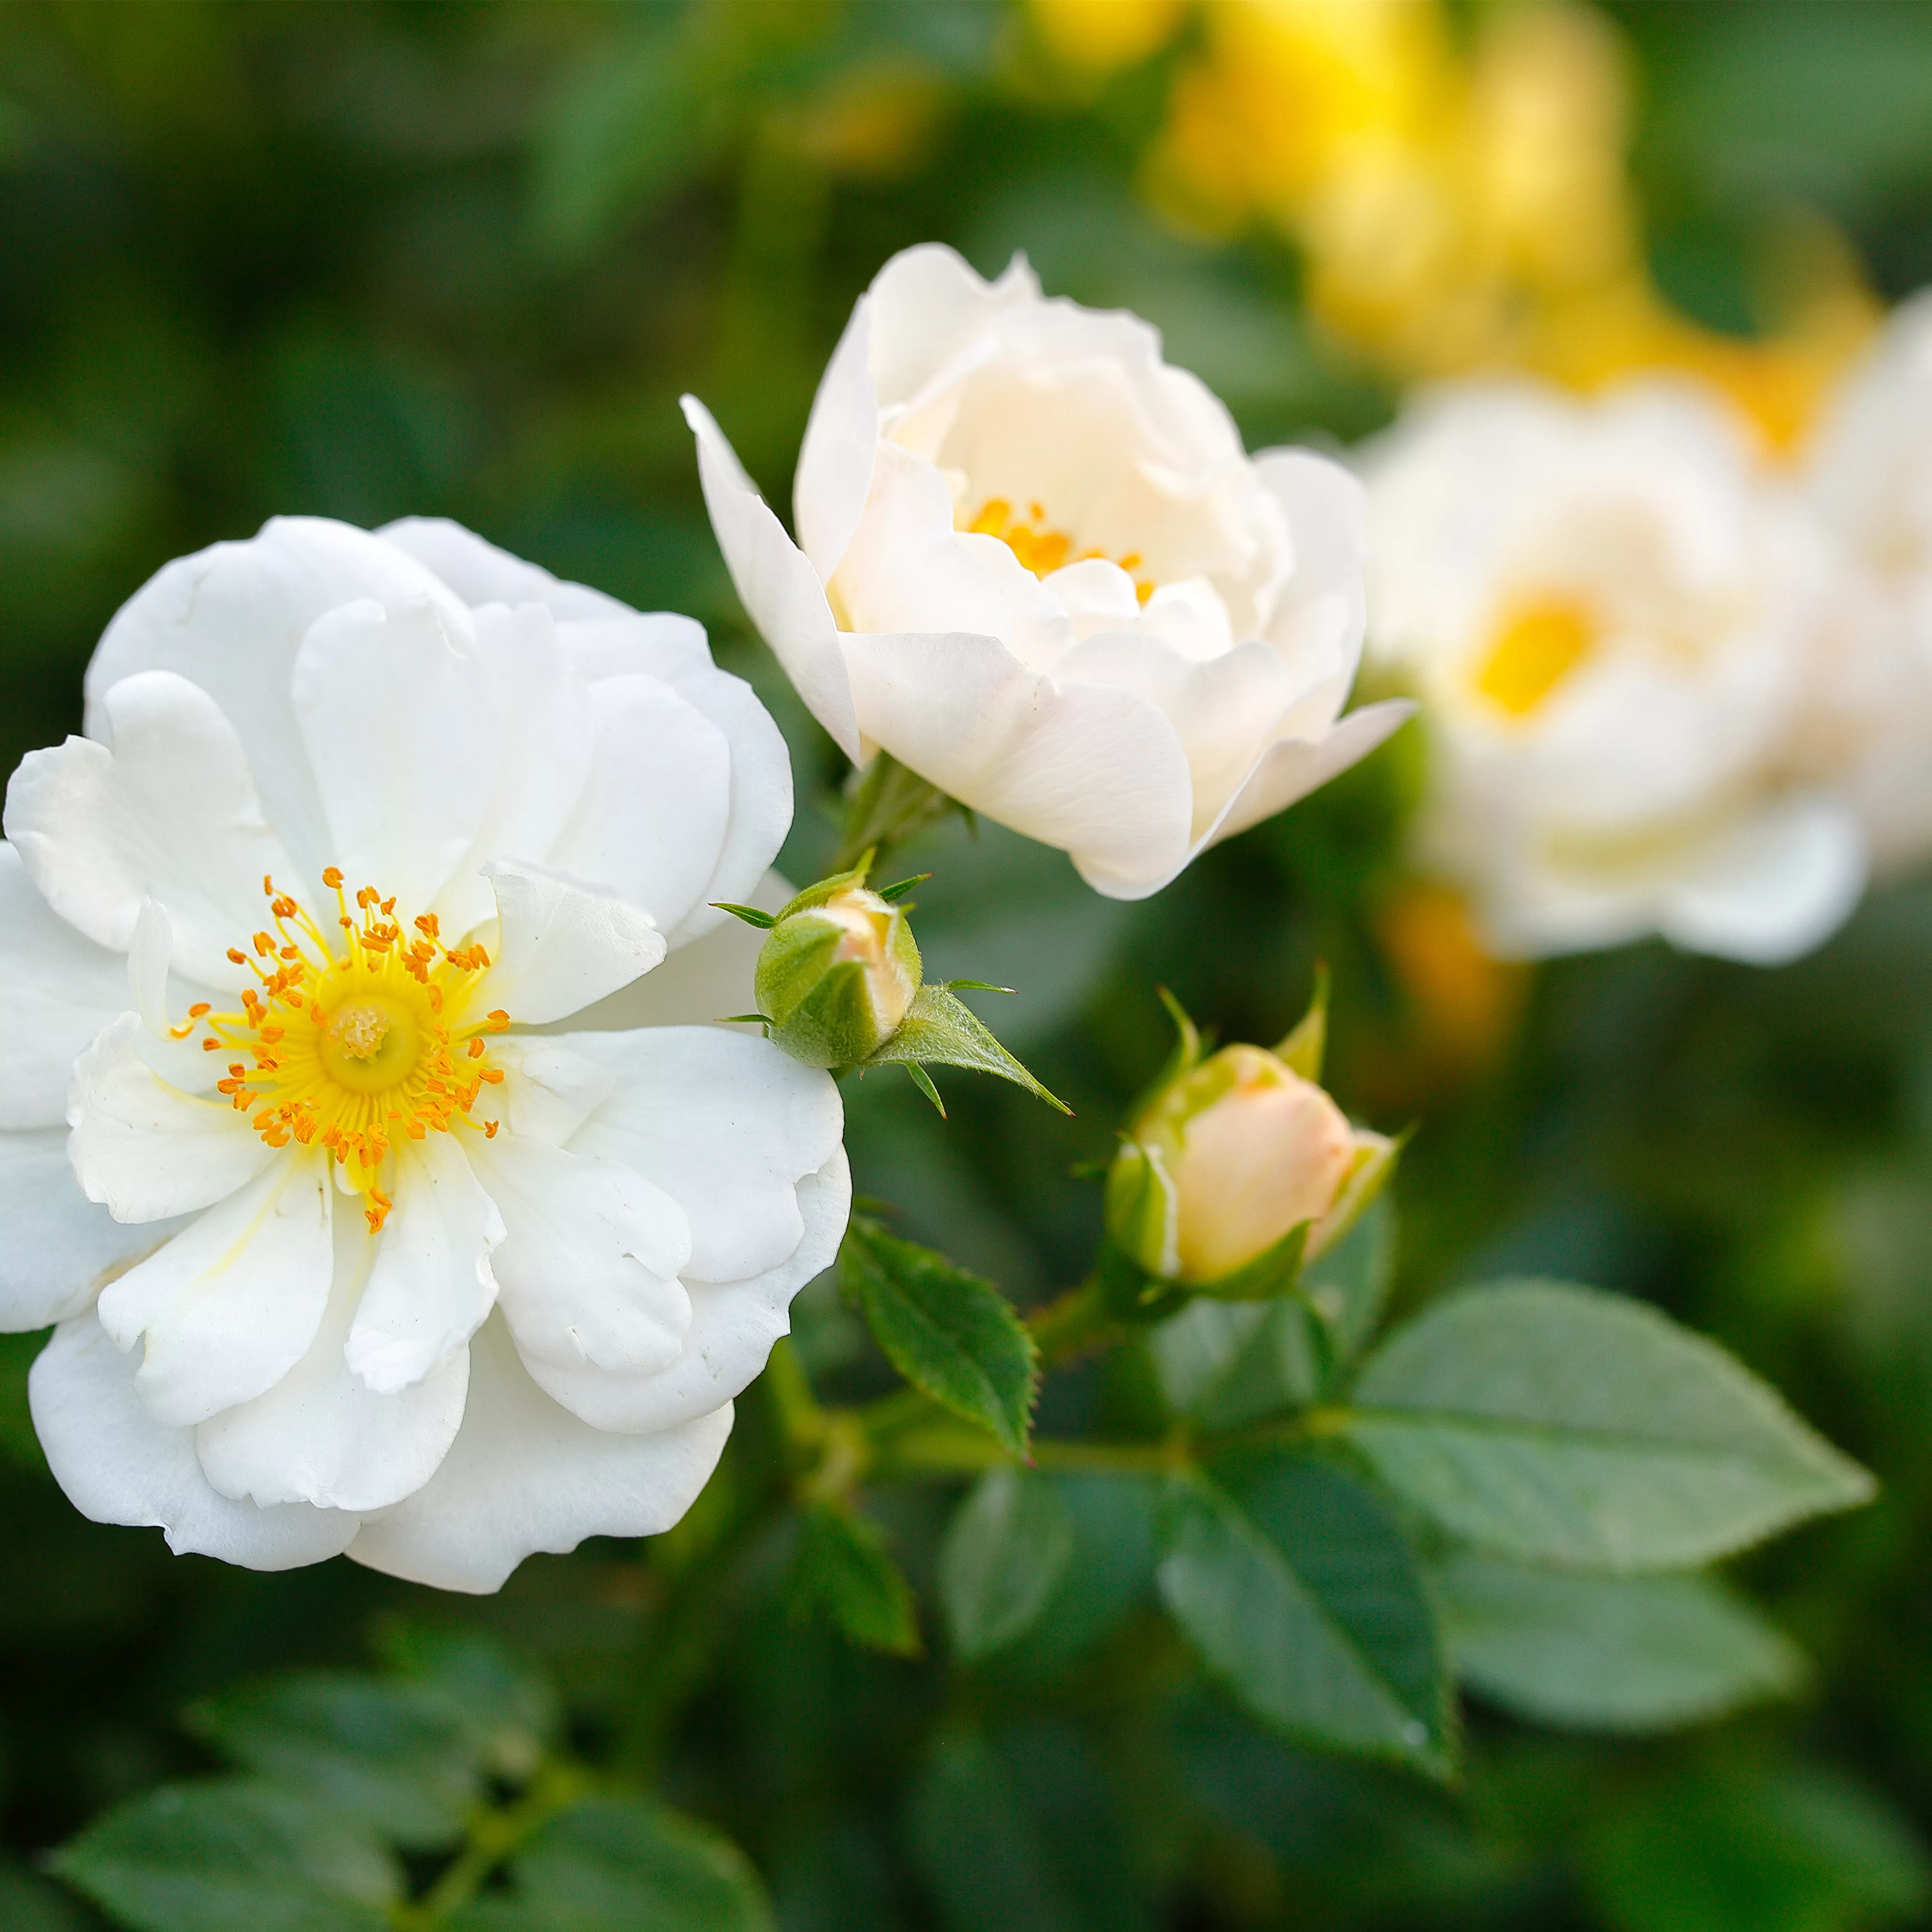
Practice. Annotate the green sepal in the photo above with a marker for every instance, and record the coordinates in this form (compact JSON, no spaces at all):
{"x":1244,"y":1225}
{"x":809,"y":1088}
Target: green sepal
{"x":835,"y":1014}
{"x":1131,"y":1293}
{"x":817,"y":895}
{"x":890,"y":894}
{"x":922,"y":1081}
{"x":751,"y":915}
{"x":1184,"y":1059}
{"x":1268,"y":1275}
{"x":1306,"y":1044}
{"x":942,"y":1031}
{"x":1374,"y":1169}
{"x":742,"y":1019}
{"x":1142,"y":1212}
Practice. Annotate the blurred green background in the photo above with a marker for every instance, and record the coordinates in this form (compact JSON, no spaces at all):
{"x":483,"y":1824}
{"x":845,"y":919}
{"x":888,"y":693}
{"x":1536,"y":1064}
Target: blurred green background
{"x":370,"y":260}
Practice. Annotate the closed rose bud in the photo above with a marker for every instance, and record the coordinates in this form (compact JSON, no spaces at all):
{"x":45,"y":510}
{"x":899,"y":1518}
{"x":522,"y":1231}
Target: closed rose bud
{"x":835,"y":979}
{"x":1229,"y":1159}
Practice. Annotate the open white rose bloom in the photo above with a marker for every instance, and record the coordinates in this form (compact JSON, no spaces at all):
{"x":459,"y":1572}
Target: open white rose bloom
{"x":1869,"y":725}
{"x":1035,"y":565}
{"x":344,"y":1257}
{"x":1610,"y":610}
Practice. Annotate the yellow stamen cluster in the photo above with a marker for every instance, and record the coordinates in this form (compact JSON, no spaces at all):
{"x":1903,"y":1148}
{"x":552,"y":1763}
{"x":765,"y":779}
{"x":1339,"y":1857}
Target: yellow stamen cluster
{"x":1041,"y":549}
{"x":1534,"y":650}
{"x":351,"y":1044}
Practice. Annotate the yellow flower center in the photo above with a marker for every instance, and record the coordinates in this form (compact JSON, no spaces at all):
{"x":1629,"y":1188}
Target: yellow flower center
{"x":1534,"y":650}
{"x":350,"y":1044}
{"x":1040,"y":548}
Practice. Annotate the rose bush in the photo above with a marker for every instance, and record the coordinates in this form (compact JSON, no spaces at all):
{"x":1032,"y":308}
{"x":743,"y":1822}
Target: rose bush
{"x":356,"y":813}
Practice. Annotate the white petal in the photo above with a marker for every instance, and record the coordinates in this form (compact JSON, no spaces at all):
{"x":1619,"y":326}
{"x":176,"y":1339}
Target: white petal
{"x":169,"y":813}
{"x":322,"y":1436}
{"x":401,"y":721}
{"x":650,"y":822}
{"x":776,"y":583}
{"x":118,"y":1465}
{"x":57,"y":991}
{"x":1320,"y":619}
{"x":431,"y":1284}
{"x":589,"y":1272}
{"x":841,"y":439}
{"x":926,"y":301}
{"x":726,"y":1124}
{"x":1293,"y":768}
{"x":1096,"y":771}
{"x":704,"y":981}
{"x":479,"y":573}
{"x":549,"y":1091}
{"x":546,"y":750}
{"x":55,"y":1245}
{"x":145,"y":1148}
{"x":562,"y":944}
{"x":233,"y":1302}
{"x":151,"y":952}
{"x":1775,"y":887}
{"x":733,"y":1326}
{"x":525,"y":1475}
{"x":231,"y":618}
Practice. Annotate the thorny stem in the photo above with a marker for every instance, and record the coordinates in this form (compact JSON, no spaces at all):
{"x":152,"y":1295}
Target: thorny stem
{"x":888,"y":806}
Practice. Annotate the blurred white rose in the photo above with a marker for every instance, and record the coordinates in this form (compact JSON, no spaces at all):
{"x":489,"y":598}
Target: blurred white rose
{"x":1608,"y":611}
{"x":406,"y":1280}
{"x":1035,"y":565}
{"x":1869,"y":471}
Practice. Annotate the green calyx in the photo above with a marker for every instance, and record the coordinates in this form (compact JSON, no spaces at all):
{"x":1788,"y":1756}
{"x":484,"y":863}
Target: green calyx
{"x":840,"y":984}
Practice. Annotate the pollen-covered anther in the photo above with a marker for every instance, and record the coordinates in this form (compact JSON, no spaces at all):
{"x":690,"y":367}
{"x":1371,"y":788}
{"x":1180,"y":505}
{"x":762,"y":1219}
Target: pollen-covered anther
{"x":358,"y":1041}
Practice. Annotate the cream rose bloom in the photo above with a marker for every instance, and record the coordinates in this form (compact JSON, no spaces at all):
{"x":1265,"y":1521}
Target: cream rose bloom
{"x":344,"y":1255}
{"x":1869,"y":721}
{"x":1608,"y":611}
{"x":1035,"y":565}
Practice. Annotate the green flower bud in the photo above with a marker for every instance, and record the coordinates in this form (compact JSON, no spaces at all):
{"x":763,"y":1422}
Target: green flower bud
{"x":1233,"y":1155}
{"x":837,"y":977}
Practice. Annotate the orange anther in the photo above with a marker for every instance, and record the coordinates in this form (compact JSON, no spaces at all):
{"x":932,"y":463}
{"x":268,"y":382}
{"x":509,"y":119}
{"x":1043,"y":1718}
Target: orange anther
{"x":498,"y":1018}
{"x":332,"y":877}
{"x":210,"y":1045}
{"x":240,"y":958}
{"x":476,"y":1049}
{"x":490,"y":1129}
{"x":492,"y":1074}
{"x":195,"y":1012}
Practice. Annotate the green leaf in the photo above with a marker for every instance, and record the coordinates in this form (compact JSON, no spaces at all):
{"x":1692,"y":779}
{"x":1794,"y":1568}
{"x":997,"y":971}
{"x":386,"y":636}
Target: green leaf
{"x":1793,"y":1848}
{"x":1227,"y":1363}
{"x":946,"y":1331}
{"x":1007,"y":1549}
{"x":31,"y":1904}
{"x":621,"y":1864}
{"x":1610,"y":1653}
{"x":1114,"y":1519}
{"x":1561,"y":1425}
{"x":1347,"y":1285}
{"x":509,"y":1710}
{"x":940,"y":1030}
{"x":230,"y":1854}
{"x":399,"y":1757}
{"x":1301,"y":1597}
{"x":842,"y":1568}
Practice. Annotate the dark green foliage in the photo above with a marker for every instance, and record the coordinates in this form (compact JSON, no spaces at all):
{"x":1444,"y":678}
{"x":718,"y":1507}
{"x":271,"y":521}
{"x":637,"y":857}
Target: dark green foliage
{"x":843,"y":1569}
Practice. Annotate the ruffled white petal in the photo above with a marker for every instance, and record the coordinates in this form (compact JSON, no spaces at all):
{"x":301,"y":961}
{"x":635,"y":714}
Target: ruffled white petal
{"x":321,"y":1435}
{"x":733,"y":1326}
{"x":1292,"y":768}
{"x":650,"y":822}
{"x":145,"y":1149}
{"x":233,"y":1302}
{"x":563,"y":943}
{"x":549,"y":1090}
{"x":590,"y":1270}
{"x":835,"y":461}
{"x":431,"y":1284}
{"x":169,"y":812}
{"x":1093,"y":769}
{"x":479,"y":573}
{"x":118,"y":1465}
{"x":524,"y":1475}
{"x":776,"y":583}
{"x":56,"y":1247}
{"x":403,"y":727}
{"x":727,"y":1124}
{"x":231,"y":619}
{"x":58,"y":989}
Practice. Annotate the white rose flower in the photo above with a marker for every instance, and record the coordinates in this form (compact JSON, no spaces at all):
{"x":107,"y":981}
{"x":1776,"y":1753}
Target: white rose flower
{"x":1607,"y":608}
{"x":1869,"y":471}
{"x":353,"y":812}
{"x":1036,"y":566}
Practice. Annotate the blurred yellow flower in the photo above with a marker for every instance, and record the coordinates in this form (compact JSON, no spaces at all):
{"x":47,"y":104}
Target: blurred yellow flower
{"x":1460,"y":207}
